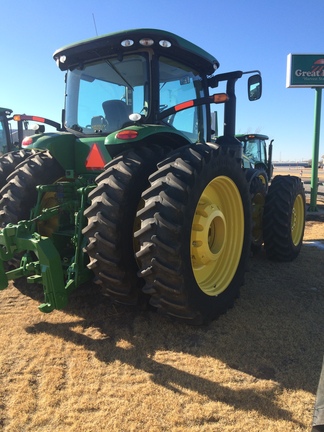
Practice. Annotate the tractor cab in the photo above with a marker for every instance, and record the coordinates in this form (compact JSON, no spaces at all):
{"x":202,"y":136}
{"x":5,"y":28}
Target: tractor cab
{"x":135,"y":77}
{"x":256,"y":152}
{"x":138,"y":78}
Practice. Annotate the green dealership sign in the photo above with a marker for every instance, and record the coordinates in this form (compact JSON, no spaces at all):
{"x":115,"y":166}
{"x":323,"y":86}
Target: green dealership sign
{"x":305,"y":70}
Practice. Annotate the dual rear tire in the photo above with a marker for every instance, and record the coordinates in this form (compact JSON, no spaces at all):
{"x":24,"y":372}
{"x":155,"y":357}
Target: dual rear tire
{"x":284,"y":218}
{"x":188,"y":224}
{"x":112,"y":222}
{"x":195,"y":233}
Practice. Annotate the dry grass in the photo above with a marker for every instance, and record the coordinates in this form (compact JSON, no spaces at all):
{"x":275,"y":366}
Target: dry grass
{"x":98,"y":367}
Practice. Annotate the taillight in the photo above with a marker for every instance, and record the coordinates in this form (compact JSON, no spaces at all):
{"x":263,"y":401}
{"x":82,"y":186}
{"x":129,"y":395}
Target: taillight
{"x":127,"y":134}
{"x":27,"y":141}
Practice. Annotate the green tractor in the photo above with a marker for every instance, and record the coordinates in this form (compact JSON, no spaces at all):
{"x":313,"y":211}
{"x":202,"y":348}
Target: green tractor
{"x":257,"y":152}
{"x":134,"y":194}
{"x":9,"y":145}
{"x":257,"y":160}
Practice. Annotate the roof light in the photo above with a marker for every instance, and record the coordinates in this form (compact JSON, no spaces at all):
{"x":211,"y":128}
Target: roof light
{"x":215,"y":66}
{"x":146,"y":42}
{"x":165,"y":43}
{"x":62,"y":58}
{"x":127,"y":134}
{"x":135,"y":117}
{"x":127,"y":43}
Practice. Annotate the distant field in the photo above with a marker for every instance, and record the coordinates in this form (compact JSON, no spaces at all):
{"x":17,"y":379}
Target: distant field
{"x":304,"y":173}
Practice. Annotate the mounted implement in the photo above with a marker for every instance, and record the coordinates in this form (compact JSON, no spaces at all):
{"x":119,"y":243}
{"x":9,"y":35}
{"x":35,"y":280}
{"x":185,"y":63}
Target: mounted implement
{"x":135,"y":194}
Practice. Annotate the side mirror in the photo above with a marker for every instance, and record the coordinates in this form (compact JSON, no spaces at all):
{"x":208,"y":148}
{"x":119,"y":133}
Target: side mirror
{"x":39,"y":128}
{"x":254,"y":87}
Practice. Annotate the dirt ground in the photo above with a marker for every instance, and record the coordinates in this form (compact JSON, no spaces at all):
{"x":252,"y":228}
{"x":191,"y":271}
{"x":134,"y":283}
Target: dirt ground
{"x":98,"y":367}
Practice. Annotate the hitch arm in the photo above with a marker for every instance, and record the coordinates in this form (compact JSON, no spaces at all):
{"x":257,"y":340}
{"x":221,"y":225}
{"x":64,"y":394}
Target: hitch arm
{"x":48,"y":271}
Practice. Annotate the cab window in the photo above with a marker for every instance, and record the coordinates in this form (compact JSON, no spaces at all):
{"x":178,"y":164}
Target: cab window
{"x":179,"y":84}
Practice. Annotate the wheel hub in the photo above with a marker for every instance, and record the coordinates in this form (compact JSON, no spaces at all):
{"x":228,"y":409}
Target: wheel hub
{"x":209,"y":234}
{"x":217,"y":234}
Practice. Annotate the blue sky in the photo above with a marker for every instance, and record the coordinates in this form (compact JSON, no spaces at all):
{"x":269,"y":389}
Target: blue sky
{"x":242,"y":35}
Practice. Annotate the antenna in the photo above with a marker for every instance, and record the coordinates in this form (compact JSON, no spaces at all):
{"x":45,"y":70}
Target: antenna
{"x":94,"y":23}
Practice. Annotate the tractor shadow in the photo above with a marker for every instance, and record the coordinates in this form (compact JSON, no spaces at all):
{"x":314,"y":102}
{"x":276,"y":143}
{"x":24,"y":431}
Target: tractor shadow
{"x":146,"y":333}
{"x":273,"y":333}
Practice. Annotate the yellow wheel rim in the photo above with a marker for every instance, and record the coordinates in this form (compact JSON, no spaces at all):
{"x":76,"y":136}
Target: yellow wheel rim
{"x":48,"y":227}
{"x":263,"y":179}
{"x":217,"y":235}
{"x":297,"y":220}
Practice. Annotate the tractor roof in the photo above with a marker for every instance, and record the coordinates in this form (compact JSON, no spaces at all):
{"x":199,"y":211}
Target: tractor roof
{"x":104,"y":46}
{"x":246,"y":137}
{"x":6,"y":111}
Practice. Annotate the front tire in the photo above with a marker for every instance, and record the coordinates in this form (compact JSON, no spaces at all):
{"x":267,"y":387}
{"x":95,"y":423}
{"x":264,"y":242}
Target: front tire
{"x":284,"y":218}
{"x":195,"y":233}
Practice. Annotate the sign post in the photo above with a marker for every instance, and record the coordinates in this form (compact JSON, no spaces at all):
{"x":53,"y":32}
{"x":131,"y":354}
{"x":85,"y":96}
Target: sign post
{"x":307,"y":70}
{"x":317,"y":123}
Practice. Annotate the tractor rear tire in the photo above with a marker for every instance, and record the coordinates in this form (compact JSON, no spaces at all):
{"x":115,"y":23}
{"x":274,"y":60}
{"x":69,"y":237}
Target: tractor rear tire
{"x":112,"y":221}
{"x":9,"y":162}
{"x":19,"y":195}
{"x":195,"y":234}
{"x":258,"y":185}
{"x":284,"y":218}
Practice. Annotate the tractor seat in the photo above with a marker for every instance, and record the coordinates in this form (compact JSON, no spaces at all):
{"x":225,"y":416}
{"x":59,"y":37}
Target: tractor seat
{"x":116,"y":113}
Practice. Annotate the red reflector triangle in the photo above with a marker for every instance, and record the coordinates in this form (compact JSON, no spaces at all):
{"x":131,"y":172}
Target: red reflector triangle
{"x":95,"y":159}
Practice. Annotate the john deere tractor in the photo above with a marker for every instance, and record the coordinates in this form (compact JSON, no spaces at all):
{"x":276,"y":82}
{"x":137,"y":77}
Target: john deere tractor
{"x":257,"y":152}
{"x":9,"y":144}
{"x":257,"y":159}
{"x":134,"y":194}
